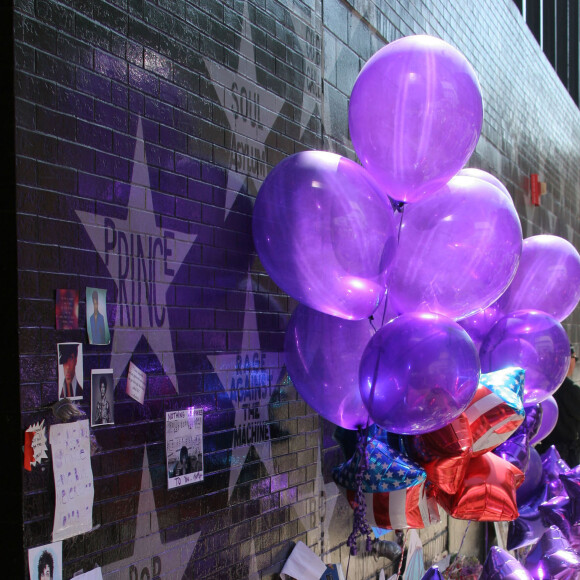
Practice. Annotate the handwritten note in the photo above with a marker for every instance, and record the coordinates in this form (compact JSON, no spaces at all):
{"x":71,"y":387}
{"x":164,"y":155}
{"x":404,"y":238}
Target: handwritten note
{"x":73,"y":479}
{"x":136,"y":383}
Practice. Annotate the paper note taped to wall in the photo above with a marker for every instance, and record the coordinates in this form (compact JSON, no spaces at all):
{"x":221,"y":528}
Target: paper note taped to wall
{"x":136,"y":383}
{"x":303,"y":564}
{"x":73,"y":479}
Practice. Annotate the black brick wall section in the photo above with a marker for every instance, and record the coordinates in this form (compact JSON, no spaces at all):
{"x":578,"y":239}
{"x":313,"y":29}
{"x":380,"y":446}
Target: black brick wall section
{"x":219,"y":92}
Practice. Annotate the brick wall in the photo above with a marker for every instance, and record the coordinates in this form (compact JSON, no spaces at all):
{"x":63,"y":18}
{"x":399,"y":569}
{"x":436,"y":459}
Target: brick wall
{"x":143,"y":131}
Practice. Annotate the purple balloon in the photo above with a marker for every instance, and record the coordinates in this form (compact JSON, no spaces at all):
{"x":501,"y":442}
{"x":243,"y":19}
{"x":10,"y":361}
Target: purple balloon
{"x":479,"y":324}
{"x":553,"y":466}
{"x":553,"y":557}
{"x":531,"y":340}
{"x":548,"y":278}
{"x":432,"y":574}
{"x":415,"y":115}
{"x":458,"y":250}
{"x":533,"y":479}
{"x":571,"y":484}
{"x":549,"y":419}
{"x":500,"y":565}
{"x":418,"y":373}
{"x":322,"y":354}
{"x":325,"y":233}
{"x":532,"y":421}
{"x":516,"y":450}
{"x":529,"y":526}
{"x":479,"y":174}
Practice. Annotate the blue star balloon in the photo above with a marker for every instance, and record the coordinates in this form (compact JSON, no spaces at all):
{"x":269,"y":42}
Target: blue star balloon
{"x":496,"y":410}
{"x":386,"y":470}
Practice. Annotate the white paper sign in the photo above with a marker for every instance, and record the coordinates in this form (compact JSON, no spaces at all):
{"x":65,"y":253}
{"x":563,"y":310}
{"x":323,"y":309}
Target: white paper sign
{"x":94,"y":574}
{"x":136,"y":383}
{"x":303,"y":563}
{"x":73,"y":479}
{"x":184,"y":446}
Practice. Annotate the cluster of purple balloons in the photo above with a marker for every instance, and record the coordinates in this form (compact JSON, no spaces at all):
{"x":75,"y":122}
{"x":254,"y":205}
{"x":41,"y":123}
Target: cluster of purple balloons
{"x":415,"y":241}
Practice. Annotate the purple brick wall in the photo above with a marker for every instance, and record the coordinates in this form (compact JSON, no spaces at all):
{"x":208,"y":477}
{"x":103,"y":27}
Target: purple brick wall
{"x":143,"y":132}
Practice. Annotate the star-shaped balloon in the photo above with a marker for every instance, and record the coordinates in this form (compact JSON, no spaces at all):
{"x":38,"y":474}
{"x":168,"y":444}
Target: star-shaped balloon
{"x":386,"y":469}
{"x":497,"y":408}
{"x":499,"y":565}
{"x":555,"y":512}
{"x":516,"y":450}
{"x":553,"y":466}
{"x":533,"y":480}
{"x":487,"y":493}
{"x":553,"y":557}
{"x":414,"y":507}
{"x":532,"y":420}
{"x":529,"y":526}
{"x":444,"y":454}
{"x":432,"y":574}
{"x":571,"y":482}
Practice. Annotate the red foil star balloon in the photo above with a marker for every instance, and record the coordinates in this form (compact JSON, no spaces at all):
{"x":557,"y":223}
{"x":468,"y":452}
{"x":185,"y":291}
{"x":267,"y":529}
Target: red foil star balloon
{"x":487,"y":493}
{"x":444,"y":454}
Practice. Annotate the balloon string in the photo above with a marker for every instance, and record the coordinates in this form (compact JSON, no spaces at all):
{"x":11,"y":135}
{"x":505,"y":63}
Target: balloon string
{"x":456,"y":562}
{"x":402,"y":553}
{"x":400,"y":207}
{"x":372,"y":395}
{"x":464,"y":536}
{"x":486,"y":537}
{"x":360,"y":524}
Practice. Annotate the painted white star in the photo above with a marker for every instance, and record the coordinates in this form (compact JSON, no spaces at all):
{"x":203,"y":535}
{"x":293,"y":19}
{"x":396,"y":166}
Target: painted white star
{"x":172,"y":557}
{"x":251,"y":112}
{"x":142,"y":258}
{"x":401,"y":472}
{"x":253,"y":573}
{"x":367,"y":476}
{"x":256,"y":367}
{"x":390,"y":474}
{"x":374,"y":487}
{"x":311,"y":50}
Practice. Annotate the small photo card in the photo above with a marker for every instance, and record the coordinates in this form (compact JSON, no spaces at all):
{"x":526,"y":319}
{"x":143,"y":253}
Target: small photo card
{"x":70,"y":370}
{"x":136,"y":383}
{"x":97,"y":323}
{"x":35,"y":445}
{"x":67,"y":309}
{"x":45,"y":562}
{"x":102,"y":397}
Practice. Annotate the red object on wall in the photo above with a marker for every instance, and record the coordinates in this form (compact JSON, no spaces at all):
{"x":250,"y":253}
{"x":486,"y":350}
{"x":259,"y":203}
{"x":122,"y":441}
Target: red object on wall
{"x":535,"y":188}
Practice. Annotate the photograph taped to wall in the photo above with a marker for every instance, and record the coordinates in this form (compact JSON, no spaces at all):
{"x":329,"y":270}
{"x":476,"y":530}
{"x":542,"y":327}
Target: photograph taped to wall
{"x":102,"y":397}
{"x":67,"y":309}
{"x":70,"y":370}
{"x":97,"y":323}
{"x":184,"y":446}
{"x":45,"y":562}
